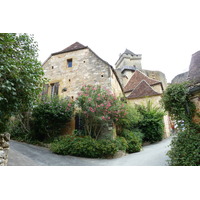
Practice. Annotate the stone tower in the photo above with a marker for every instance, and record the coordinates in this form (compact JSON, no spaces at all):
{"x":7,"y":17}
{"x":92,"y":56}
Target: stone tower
{"x":126,"y":65}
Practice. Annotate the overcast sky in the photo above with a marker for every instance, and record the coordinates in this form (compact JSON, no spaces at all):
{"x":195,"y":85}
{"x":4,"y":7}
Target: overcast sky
{"x":165,"y":32}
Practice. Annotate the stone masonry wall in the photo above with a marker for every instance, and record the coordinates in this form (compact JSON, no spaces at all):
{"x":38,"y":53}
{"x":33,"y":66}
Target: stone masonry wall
{"x":86,"y":69}
{"x":4,"y":148}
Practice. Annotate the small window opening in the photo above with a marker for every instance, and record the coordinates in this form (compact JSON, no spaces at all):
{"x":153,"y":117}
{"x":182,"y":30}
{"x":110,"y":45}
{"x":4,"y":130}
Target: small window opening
{"x":69,"y":62}
{"x":69,"y":80}
{"x":72,"y":97}
{"x":101,"y":75}
{"x":52,"y":67}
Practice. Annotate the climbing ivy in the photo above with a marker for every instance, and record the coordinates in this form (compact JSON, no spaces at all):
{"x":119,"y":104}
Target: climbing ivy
{"x":176,"y":100}
{"x":185,"y":144}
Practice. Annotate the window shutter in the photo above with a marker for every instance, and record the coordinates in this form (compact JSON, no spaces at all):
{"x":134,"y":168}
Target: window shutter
{"x":56,"y":88}
{"x":45,"y":89}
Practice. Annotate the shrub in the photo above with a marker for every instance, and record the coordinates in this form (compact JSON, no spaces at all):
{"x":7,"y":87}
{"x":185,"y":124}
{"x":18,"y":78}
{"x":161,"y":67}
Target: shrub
{"x":152,"y":124}
{"x":50,"y":116}
{"x":185,"y":149}
{"x":98,"y":107}
{"x":134,"y":140}
{"x":130,"y":120}
{"x":87,"y":146}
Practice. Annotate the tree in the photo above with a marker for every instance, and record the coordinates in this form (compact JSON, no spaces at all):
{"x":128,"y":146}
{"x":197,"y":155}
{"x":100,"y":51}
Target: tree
{"x":99,"y":107}
{"x":21,"y":74}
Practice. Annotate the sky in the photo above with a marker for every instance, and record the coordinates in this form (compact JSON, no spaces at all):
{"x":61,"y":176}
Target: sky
{"x":165,"y":32}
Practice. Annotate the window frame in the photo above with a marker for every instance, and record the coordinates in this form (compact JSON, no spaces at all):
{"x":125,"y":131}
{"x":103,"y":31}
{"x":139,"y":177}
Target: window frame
{"x":69,"y":62}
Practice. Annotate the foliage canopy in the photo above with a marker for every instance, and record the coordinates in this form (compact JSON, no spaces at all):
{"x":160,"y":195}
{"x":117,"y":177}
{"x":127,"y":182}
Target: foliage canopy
{"x":21,"y":74}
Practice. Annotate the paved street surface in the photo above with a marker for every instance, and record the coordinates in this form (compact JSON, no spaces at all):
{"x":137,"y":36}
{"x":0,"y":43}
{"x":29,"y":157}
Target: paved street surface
{"x":22,"y":154}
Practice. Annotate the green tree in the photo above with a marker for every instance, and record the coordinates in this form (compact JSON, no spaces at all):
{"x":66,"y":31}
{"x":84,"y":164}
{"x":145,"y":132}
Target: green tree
{"x":99,"y":107}
{"x":21,"y":74}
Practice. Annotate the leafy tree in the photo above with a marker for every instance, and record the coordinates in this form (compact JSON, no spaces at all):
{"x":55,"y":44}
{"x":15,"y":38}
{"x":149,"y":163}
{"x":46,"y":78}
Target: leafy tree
{"x":21,"y":75}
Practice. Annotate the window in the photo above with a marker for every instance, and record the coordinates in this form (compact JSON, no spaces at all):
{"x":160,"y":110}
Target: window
{"x":54,"y":89}
{"x":69,"y":62}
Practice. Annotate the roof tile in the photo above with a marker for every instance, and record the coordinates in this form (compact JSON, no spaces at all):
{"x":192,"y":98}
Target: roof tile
{"x":73,"y":47}
{"x":143,"y":89}
{"x":136,"y":79}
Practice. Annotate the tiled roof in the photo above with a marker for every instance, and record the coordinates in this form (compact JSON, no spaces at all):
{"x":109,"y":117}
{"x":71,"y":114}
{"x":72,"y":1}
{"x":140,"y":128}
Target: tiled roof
{"x":136,"y":79}
{"x":143,"y":89}
{"x":73,"y":47}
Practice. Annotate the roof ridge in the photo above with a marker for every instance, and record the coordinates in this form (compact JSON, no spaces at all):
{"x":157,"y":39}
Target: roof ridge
{"x":73,"y":47}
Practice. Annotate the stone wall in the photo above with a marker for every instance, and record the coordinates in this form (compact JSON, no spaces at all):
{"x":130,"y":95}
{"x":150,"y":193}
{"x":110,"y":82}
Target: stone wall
{"x":87,"y":69}
{"x":4,"y":148}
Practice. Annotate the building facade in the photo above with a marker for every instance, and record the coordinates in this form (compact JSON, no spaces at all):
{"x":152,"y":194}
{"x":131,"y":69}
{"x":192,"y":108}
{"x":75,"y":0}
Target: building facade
{"x":77,"y":65}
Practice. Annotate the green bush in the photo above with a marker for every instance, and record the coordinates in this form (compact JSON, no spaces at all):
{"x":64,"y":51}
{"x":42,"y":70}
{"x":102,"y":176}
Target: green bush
{"x":50,"y":116}
{"x":152,"y":124}
{"x":87,"y":146}
{"x":185,"y":149}
{"x":176,"y":100}
{"x":134,"y":140}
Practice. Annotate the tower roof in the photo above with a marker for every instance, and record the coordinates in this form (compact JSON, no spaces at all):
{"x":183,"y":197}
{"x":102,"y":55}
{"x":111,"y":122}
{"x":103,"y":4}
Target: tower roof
{"x":143,"y":89}
{"x":136,"y":78}
{"x":129,"y":52}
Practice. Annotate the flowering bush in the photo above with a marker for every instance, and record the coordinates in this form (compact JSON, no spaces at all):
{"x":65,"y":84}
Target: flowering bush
{"x":50,"y":116}
{"x":99,"y":106}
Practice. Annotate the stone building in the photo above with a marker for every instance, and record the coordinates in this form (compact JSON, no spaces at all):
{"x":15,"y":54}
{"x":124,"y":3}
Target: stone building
{"x":139,"y":85}
{"x":77,"y":65}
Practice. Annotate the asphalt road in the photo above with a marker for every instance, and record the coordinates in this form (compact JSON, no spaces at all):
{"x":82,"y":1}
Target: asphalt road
{"x":22,"y":154}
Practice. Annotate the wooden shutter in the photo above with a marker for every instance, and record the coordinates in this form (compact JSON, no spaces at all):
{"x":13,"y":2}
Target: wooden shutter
{"x":56,"y":88}
{"x":45,"y":89}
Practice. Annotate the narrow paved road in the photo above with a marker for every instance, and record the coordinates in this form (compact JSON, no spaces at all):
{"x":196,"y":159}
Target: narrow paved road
{"x":22,"y":154}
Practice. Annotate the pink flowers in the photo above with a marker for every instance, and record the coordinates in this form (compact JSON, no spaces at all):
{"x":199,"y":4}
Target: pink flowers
{"x":91,"y":109}
{"x":97,"y":103}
